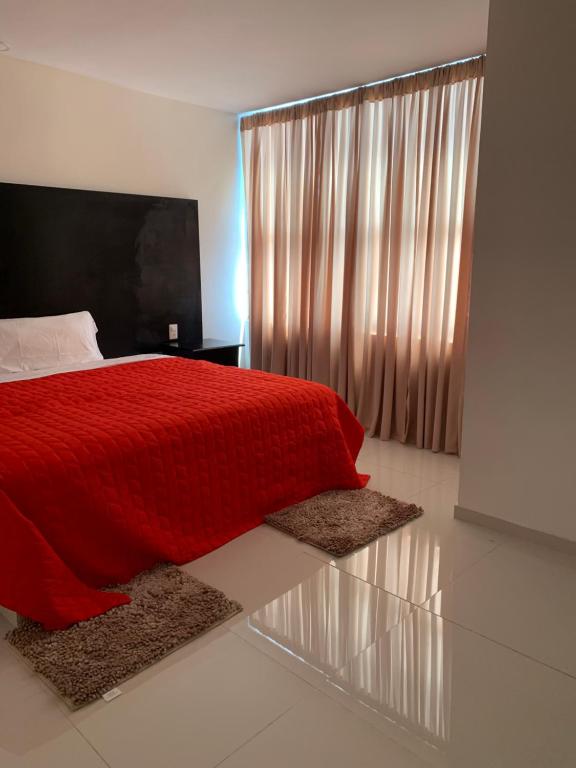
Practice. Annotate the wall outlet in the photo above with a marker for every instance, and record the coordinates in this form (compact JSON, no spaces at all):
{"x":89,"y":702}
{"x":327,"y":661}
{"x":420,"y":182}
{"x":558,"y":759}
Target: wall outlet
{"x":173,"y":331}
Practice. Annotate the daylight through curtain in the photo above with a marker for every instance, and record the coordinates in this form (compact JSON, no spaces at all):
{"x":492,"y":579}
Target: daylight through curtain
{"x":360,"y":216}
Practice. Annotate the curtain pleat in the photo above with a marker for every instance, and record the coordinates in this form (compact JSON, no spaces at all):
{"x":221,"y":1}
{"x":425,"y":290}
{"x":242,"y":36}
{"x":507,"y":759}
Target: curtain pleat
{"x":360,"y":223}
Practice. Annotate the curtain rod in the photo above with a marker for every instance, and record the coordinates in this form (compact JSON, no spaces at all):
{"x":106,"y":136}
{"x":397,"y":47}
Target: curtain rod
{"x":353,"y":88}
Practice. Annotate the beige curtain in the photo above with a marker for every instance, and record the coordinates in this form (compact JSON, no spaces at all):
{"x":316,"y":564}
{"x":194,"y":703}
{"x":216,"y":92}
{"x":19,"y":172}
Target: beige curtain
{"x":360,"y":215}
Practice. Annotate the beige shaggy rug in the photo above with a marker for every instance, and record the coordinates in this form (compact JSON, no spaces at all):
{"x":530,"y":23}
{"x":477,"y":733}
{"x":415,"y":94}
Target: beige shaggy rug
{"x":341,"y":521}
{"x":168,"y":609}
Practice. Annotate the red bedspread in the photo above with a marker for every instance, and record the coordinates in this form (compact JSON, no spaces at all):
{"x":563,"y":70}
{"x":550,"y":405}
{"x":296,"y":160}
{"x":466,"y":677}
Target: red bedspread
{"x":104,"y":473}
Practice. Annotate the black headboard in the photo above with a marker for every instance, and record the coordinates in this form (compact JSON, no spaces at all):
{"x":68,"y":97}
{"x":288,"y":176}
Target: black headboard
{"x":133,"y":261}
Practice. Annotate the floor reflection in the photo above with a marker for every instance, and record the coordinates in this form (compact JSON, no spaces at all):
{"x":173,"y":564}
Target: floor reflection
{"x":407,"y":676}
{"x":393,"y":658}
{"x":406,"y":563}
{"x":329,"y":619}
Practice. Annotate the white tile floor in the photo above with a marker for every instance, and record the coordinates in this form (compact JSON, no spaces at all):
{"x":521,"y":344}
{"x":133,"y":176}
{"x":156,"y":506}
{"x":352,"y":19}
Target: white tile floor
{"x":442,"y":644}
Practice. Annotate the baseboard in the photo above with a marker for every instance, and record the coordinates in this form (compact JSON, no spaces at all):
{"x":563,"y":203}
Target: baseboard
{"x":513,"y":529}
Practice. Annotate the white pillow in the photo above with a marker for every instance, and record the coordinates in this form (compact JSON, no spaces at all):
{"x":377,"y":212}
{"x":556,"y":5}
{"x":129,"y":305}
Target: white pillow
{"x":35,"y":343}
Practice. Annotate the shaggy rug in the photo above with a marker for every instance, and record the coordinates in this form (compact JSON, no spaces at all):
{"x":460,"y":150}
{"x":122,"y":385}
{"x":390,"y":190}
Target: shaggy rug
{"x":168,"y":609}
{"x":341,"y":521}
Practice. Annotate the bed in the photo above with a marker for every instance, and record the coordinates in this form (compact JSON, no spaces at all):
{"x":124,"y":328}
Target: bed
{"x":110,"y":466}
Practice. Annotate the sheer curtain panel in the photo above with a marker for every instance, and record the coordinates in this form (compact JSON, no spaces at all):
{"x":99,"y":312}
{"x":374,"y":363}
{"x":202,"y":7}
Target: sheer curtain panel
{"x":360,"y":216}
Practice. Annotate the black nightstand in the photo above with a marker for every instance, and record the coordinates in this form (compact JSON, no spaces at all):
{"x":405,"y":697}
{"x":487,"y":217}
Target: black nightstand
{"x":213,"y":350}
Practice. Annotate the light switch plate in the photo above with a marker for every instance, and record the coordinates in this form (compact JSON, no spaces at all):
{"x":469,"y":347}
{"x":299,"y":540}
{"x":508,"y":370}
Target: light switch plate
{"x":173,"y":331}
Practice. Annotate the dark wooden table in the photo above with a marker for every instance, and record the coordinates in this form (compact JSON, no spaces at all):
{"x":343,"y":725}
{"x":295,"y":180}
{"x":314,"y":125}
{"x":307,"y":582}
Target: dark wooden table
{"x":213,"y":350}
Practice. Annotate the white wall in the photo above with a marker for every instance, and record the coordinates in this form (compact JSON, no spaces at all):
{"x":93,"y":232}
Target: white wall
{"x":519,"y":432}
{"x":61,"y":129}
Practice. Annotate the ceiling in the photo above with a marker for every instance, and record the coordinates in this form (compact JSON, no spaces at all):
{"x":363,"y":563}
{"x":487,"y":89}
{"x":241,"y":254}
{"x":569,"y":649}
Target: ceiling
{"x":238,"y":55}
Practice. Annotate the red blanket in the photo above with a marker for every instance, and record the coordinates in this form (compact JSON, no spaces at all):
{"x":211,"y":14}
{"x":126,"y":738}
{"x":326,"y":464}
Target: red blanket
{"x":104,"y":473}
